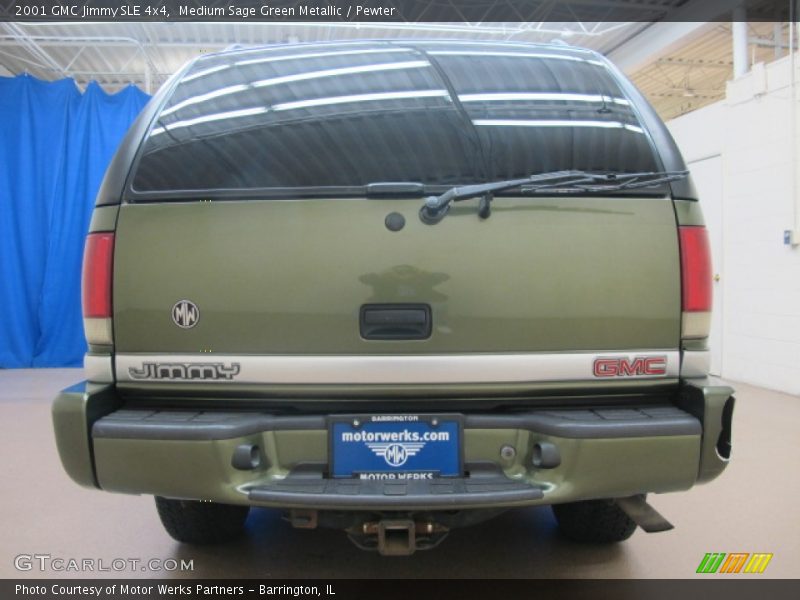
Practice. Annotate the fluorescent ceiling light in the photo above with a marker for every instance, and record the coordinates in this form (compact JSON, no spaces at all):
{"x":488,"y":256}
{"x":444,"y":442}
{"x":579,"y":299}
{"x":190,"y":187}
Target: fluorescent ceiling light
{"x":282,"y":47}
{"x":514,"y":55}
{"x":232,"y":114}
{"x":555,"y":123}
{"x":539,"y":97}
{"x":362,"y":98}
{"x":412,"y":64}
{"x":253,"y":61}
{"x":203,"y":97}
{"x":203,"y":73}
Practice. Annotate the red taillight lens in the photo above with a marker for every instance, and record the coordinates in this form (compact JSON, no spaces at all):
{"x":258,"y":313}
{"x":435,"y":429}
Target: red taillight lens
{"x":695,"y":269}
{"x":98,"y":255}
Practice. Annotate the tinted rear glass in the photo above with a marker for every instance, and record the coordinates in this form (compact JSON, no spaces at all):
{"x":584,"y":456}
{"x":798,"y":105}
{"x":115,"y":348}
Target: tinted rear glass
{"x":343,"y":116}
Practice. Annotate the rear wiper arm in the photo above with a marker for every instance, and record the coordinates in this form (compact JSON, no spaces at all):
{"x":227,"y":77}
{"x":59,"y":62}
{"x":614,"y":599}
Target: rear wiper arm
{"x":436,"y":207}
{"x":383,"y":189}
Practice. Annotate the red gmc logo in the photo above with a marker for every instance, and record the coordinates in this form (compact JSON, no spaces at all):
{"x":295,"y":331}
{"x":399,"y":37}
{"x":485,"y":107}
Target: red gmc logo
{"x":625,"y":367}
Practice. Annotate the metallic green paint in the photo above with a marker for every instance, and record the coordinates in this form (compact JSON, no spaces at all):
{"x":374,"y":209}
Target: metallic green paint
{"x":289,"y":277}
{"x":705,"y":399}
{"x":590,"y":468}
{"x":74,"y":411}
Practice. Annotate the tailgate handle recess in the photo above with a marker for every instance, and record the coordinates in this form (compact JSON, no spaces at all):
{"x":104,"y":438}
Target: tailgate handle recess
{"x":395,"y":321}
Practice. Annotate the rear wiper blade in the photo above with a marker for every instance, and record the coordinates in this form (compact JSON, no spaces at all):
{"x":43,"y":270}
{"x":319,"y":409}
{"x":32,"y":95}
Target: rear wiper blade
{"x":611,"y":182}
{"x":436,"y":207}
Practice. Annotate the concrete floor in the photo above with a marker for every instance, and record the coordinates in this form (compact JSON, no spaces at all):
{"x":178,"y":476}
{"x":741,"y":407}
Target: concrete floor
{"x":753,"y":507}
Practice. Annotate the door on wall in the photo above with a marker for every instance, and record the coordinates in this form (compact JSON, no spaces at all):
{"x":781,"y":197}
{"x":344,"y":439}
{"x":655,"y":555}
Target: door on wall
{"x":707,"y":176}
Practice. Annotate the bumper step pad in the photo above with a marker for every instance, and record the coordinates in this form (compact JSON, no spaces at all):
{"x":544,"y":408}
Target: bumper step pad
{"x":302,"y":489}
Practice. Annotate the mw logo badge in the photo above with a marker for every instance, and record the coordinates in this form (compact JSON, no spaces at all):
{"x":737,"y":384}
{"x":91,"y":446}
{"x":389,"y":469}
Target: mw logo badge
{"x":396,"y":454}
{"x":185,"y":314}
{"x":735,"y":562}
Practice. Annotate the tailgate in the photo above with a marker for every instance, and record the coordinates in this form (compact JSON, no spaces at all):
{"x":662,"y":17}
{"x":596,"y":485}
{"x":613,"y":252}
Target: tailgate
{"x":275,"y":282}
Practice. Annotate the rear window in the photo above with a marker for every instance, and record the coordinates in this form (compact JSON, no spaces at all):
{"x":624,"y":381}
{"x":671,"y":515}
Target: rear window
{"x":338,"y":117}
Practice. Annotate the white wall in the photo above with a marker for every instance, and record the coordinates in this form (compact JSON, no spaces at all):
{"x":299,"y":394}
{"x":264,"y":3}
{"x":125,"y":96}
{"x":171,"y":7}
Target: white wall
{"x":759,"y":276}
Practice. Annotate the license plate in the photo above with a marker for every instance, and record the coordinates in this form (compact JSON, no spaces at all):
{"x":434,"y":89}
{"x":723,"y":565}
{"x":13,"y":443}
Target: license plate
{"x":396,"y":446}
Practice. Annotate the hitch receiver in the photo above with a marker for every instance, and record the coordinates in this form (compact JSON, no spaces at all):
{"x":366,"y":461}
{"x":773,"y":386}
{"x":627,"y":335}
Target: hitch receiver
{"x":397,"y":537}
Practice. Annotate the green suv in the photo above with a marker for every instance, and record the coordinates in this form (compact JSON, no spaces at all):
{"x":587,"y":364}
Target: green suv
{"x":397,"y":288}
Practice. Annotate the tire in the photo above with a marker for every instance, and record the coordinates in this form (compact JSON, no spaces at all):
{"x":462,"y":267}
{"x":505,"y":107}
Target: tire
{"x":593,"y":521}
{"x":193,"y":522}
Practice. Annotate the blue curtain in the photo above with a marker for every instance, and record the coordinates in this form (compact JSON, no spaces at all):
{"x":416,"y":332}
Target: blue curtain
{"x":55,"y":144}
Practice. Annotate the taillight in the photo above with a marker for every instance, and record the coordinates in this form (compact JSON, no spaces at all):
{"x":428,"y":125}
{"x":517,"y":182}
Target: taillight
{"x":695,"y":281}
{"x":98,"y":259}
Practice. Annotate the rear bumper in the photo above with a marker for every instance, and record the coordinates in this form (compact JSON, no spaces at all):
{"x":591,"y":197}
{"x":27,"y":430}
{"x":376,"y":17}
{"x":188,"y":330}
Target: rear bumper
{"x":599,"y":453}
{"x":486,"y":487}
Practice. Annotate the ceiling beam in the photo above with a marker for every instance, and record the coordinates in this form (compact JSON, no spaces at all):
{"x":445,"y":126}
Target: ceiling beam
{"x":694,"y":63}
{"x":34,"y":49}
{"x":108,"y":42}
{"x":660,"y":39}
{"x":656,"y":42}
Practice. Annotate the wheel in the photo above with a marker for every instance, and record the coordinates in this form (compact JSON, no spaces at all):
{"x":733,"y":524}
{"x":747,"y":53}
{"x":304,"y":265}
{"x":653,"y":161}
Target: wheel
{"x":195,"y":522}
{"x":594,"y":521}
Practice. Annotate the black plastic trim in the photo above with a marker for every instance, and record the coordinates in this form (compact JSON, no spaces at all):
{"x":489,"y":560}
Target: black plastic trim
{"x":664,"y":146}
{"x":596,"y":423}
{"x":307,"y":488}
{"x":115,"y":181}
{"x":191,"y":425}
{"x":395,"y":321}
{"x":649,"y":421}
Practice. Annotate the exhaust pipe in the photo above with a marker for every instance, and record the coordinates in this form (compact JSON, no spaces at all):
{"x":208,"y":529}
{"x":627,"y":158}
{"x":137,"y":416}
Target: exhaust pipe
{"x":644,"y":515}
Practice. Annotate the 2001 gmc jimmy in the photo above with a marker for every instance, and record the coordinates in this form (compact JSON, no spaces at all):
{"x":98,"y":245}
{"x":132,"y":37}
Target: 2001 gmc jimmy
{"x":397,"y":288}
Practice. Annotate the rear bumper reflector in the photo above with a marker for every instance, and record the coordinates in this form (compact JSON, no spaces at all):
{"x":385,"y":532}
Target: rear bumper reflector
{"x":98,"y":331}
{"x":98,"y":368}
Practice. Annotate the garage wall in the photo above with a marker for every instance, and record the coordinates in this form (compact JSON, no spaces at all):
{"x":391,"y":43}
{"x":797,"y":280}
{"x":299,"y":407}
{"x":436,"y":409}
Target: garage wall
{"x":758,"y":292}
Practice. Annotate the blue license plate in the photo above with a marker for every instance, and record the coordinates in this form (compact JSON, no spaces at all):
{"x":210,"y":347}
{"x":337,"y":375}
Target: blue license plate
{"x":396,"y":446}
